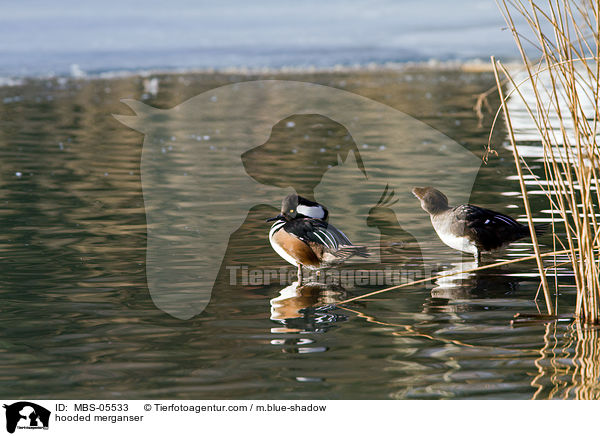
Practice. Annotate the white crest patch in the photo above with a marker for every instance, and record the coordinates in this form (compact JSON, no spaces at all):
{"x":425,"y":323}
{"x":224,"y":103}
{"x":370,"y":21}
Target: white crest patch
{"x":311,"y":211}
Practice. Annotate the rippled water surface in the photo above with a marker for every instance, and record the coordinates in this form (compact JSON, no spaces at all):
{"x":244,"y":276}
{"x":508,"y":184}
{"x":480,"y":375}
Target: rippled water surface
{"x":78,"y":320}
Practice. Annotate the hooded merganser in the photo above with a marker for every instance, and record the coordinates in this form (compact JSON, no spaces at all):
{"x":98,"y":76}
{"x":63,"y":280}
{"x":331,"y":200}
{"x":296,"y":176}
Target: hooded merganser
{"x":469,"y":228}
{"x":302,"y":236}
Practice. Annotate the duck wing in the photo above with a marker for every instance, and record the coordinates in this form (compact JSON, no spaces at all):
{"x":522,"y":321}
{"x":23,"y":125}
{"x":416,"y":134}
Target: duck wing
{"x":329,"y":243}
{"x":317,"y":231}
{"x":488,"y":229}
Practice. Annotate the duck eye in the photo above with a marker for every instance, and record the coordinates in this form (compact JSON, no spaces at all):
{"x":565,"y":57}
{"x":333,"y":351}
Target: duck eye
{"x":291,"y":210}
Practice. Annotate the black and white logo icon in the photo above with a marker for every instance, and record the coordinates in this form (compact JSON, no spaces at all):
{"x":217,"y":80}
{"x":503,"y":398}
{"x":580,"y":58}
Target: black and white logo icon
{"x":26,"y":415}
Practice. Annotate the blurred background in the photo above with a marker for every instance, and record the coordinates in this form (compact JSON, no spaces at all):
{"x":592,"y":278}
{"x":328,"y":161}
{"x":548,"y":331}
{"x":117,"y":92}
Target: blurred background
{"x":39,"y":38}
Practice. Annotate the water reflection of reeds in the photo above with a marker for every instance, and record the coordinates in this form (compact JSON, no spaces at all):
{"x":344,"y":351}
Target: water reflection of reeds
{"x":569,"y":363}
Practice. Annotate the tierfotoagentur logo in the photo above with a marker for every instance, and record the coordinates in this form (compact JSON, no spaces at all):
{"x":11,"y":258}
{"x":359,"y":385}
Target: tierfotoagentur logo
{"x":250,"y":144}
{"x":25,"y":415}
{"x":242,"y":275}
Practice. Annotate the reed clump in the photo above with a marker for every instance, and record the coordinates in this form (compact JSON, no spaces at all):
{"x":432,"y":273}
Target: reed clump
{"x":551,"y":104}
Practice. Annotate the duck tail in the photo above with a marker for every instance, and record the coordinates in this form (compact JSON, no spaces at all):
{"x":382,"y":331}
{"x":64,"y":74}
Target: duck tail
{"x":347,"y":251}
{"x":540,"y":229}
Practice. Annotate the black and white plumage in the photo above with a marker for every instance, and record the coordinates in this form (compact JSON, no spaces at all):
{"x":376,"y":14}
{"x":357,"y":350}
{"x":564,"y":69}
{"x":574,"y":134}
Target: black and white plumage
{"x":318,"y":231}
{"x":468,"y":228}
{"x":302,"y":236}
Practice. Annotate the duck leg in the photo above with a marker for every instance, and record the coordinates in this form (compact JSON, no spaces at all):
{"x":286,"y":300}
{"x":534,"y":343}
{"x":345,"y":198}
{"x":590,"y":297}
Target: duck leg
{"x":478,"y":257}
{"x":299,"y":274}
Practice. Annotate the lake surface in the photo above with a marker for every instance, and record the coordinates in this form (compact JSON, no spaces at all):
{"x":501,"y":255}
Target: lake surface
{"x":78,"y":320}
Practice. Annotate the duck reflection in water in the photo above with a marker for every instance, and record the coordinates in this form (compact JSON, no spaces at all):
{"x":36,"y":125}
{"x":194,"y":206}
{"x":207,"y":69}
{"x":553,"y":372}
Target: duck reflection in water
{"x":307,"y":308}
{"x":452,"y":293}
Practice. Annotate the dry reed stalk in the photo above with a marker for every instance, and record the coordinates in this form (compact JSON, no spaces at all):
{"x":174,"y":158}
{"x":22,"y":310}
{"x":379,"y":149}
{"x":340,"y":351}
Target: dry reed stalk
{"x":560,"y":94}
{"x":439,"y":276}
{"x":536,"y":247}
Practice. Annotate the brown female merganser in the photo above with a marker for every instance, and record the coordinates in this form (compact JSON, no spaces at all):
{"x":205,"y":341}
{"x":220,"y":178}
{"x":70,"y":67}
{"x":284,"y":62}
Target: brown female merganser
{"x":469,"y":228}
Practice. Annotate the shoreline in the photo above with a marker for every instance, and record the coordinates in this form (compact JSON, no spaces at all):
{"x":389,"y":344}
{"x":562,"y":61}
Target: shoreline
{"x":477,"y":65}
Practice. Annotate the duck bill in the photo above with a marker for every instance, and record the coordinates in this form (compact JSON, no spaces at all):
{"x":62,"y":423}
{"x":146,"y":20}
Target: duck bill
{"x":418,"y":192}
{"x":275,"y":218}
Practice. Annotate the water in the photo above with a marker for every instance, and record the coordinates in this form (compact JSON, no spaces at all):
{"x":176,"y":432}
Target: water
{"x":78,"y":320}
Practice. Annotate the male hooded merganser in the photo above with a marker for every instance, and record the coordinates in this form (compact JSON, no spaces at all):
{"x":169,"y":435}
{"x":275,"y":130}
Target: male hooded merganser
{"x":469,"y":228}
{"x":302,"y":236}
